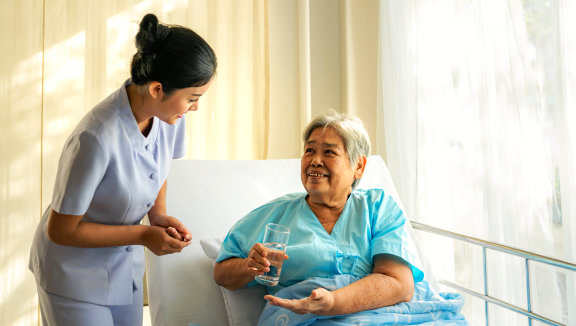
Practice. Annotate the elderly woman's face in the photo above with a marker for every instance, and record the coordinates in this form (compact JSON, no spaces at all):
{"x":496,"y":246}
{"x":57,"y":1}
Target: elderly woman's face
{"x":325,"y":166}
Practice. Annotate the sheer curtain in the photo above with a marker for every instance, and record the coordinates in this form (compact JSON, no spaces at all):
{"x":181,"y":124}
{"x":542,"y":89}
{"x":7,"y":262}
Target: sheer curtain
{"x":478,"y":113}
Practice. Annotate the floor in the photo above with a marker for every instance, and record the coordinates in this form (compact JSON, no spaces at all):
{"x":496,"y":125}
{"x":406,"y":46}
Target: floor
{"x":147,"y":321}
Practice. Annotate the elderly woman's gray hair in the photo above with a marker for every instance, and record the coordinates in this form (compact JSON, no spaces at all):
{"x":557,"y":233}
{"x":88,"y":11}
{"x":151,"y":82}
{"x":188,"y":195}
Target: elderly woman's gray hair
{"x":350,"y":129}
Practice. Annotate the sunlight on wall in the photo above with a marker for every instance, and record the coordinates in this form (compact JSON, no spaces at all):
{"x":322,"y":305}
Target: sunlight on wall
{"x":65,"y":72}
{"x":63,"y":84}
{"x":19,"y":176}
{"x":174,"y":6}
{"x":65,"y":89}
{"x":120,"y":41}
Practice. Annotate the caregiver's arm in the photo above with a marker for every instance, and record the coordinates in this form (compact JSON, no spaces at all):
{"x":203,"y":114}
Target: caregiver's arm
{"x":73,"y":230}
{"x":157,"y":217}
{"x":391,"y":282}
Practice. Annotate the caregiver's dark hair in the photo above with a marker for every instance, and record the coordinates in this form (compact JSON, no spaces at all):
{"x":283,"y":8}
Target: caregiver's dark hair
{"x":175,"y":56}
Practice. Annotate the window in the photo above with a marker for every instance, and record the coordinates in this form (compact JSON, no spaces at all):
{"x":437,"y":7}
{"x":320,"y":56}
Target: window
{"x":478,"y":107}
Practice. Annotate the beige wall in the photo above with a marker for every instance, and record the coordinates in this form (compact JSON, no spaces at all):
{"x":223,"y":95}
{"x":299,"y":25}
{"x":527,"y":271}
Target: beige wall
{"x":280,"y":63}
{"x":20,"y":163}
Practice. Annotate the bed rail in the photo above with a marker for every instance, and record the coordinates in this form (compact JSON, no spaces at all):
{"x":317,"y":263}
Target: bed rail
{"x":527,"y":256}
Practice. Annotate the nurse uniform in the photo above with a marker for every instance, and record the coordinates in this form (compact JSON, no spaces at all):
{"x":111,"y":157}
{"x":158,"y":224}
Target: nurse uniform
{"x":371,"y":223}
{"x":110,"y":173}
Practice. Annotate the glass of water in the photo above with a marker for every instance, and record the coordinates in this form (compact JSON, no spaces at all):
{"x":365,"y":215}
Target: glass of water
{"x":275,"y":241}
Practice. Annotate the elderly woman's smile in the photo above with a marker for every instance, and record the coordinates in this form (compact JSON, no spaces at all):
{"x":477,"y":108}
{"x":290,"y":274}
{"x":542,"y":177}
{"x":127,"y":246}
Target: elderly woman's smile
{"x":317,"y":175}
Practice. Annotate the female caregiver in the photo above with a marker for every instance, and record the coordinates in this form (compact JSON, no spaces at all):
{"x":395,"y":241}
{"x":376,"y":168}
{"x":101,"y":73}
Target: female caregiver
{"x":334,"y":230}
{"x":86,"y":254}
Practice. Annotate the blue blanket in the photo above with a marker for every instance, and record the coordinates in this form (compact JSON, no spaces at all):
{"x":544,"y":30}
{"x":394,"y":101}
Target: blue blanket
{"x":427,"y":307}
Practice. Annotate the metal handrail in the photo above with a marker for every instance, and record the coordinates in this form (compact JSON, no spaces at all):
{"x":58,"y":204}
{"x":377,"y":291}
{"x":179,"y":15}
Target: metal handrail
{"x":526,"y":255}
{"x":496,"y":246}
{"x":500,"y":303}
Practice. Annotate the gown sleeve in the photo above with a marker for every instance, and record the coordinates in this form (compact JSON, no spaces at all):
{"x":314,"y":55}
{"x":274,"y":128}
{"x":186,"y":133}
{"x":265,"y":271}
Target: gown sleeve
{"x":390,"y":234}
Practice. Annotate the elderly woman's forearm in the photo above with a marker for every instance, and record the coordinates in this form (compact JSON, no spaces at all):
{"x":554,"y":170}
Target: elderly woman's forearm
{"x":372,"y":292}
{"x":232,"y":273}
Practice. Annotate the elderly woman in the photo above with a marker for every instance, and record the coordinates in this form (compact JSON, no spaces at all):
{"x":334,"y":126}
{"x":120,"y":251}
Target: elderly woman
{"x":335,"y":231}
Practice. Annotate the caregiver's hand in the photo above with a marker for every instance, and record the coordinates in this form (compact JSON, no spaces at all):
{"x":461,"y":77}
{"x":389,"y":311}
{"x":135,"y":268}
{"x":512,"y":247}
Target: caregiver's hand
{"x":320,"y":302}
{"x":173,"y":226}
{"x":161,"y":243}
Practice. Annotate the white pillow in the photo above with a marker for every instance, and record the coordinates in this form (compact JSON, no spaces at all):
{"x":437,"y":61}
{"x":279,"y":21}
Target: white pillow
{"x":211,"y":247}
{"x":244,"y":305}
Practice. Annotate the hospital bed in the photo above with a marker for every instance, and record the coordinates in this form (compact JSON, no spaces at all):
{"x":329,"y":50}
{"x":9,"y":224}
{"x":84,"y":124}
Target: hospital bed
{"x":209,"y":196}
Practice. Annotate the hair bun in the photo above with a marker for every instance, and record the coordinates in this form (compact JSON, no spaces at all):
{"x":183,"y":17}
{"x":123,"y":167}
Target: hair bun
{"x":151,"y":35}
{"x":149,"y":23}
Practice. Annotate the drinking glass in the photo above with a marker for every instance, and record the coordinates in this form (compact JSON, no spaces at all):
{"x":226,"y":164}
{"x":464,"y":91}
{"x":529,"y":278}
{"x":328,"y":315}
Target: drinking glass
{"x":275,"y":241}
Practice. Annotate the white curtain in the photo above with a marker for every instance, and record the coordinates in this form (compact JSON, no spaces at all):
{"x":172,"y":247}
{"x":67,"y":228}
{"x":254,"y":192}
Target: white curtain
{"x":478,"y":113}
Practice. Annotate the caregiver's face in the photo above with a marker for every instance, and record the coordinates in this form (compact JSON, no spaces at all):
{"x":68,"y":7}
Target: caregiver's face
{"x":325,"y":166}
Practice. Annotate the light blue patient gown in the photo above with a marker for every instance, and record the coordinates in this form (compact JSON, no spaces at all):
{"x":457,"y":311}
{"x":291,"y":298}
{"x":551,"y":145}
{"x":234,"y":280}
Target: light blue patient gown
{"x":371,"y":223}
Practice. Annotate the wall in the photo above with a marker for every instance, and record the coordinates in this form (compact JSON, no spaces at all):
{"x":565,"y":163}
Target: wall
{"x":21,"y":160}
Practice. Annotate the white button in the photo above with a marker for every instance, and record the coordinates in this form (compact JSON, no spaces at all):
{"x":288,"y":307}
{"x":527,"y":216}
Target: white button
{"x":153,"y":176}
{"x":150,"y":204}
{"x":129,"y":248}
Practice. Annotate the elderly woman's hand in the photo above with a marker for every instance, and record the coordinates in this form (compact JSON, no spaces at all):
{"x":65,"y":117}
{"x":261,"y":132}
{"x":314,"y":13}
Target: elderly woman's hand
{"x":320,"y":302}
{"x":234,"y":273}
{"x":257,"y":260}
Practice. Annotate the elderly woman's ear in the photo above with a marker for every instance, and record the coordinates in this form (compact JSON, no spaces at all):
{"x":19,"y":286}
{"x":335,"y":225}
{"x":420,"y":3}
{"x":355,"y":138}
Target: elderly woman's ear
{"x":360,"y":166}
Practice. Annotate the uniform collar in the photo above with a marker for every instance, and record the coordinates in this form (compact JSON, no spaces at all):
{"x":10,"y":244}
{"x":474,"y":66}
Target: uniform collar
{"x":137,"y":140}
